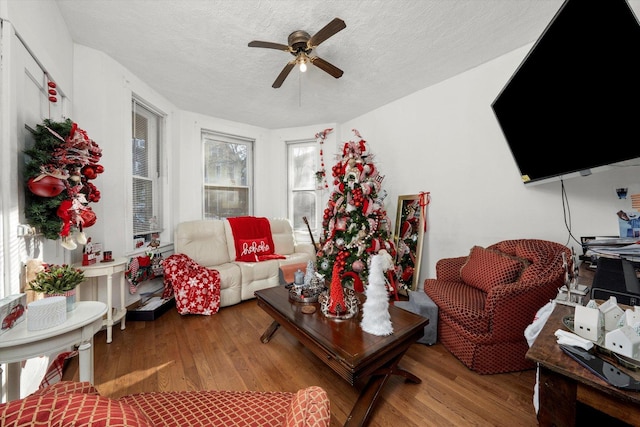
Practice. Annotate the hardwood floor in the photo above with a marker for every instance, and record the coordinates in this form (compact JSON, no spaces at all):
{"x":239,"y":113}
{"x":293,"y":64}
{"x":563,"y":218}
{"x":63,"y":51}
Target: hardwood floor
{"x":223,"y":351}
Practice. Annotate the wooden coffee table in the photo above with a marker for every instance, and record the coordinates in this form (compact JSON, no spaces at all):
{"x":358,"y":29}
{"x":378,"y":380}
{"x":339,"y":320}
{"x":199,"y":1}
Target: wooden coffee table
{"x":343,"y":346}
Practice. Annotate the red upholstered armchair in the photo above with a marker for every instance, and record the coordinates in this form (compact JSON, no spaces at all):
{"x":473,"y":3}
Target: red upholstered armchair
{"x":79,"y":403}
{"x":486,"y":300}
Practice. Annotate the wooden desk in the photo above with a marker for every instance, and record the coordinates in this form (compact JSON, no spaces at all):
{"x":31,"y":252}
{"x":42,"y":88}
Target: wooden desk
{"x":563,"y":382}
{"x":343,"y":346}
{"x":20,"y":344}
{"x":108,"y":269}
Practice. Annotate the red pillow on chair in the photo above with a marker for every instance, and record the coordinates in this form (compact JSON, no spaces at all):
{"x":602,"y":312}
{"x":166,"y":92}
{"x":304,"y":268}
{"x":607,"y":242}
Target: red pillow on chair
{"x":486,"y":268}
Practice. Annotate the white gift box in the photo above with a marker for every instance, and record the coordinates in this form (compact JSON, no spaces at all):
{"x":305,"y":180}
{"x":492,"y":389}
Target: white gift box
{"x":46,"y":313}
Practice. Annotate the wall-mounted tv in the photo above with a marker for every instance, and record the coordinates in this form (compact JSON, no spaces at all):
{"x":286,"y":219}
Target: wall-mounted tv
{"x":573,"y":104}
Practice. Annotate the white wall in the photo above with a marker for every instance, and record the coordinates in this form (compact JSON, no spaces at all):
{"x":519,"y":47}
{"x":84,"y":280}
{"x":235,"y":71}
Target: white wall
{"x":42,"y":26}
{"x":104,"y":90}
{"x":19,"y":104}
{"x":270,"y":163}
{"x":187,"y":158}
{"x":452,"y":146}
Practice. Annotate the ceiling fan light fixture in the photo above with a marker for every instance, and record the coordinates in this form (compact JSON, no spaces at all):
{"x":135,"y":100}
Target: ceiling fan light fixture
{"x":300,"y":45}
{"x":302,"y":61}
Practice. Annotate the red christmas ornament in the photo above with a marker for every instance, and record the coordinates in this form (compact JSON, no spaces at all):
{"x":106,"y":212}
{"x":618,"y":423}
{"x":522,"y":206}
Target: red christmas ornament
{"x":88,"y":217}
{"x":407,"y":273}
{"x":48,"y":186}
{"x":357,"y":266}
{"x":94,"y":196}
{"x":89,"y":172}
{"x":52,"y":91}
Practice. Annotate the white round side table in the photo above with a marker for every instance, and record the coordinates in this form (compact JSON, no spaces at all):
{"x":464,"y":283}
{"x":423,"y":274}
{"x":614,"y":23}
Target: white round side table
{"x":108,"y":269}
{"x":18,"y":343}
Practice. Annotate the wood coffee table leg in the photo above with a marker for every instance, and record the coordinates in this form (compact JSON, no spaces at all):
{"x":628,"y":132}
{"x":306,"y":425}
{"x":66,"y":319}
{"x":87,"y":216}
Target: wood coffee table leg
{"x":557,"y":397}
{"x":363,"y":407}
{"x":266,"y":336}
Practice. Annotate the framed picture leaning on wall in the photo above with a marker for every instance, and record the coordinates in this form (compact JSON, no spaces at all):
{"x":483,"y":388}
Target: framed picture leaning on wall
{"x":410,"y":228}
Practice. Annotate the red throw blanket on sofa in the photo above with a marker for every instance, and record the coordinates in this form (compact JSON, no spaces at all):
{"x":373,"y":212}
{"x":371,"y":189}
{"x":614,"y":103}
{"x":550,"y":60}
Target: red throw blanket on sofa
{"x":196,"y":288}
{"x":253,"y":239}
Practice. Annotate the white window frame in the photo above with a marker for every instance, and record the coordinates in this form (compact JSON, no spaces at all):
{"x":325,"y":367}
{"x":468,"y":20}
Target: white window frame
{"x":315,"y":224}
{"x":210,"y":136}
{"x":154,"y":173}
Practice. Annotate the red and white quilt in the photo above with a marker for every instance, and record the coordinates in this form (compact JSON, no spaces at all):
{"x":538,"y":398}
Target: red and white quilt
{"x":196,"y":288}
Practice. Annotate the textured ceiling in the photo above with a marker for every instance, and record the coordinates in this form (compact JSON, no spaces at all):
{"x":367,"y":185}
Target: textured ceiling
{"x":195,"y":53}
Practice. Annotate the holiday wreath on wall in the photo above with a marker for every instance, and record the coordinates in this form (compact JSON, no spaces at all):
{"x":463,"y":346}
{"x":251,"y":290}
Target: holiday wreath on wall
{"x":58,"y":171}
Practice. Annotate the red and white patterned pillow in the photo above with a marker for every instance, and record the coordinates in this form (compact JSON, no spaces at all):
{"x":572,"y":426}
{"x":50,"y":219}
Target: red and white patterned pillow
{"x":196,"y":288}
{"x":252,"y":249}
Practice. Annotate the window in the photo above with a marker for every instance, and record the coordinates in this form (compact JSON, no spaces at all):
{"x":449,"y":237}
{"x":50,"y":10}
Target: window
{"x":145,"y":169}
{"x":228,"y":175}
{"x":303,"y":160}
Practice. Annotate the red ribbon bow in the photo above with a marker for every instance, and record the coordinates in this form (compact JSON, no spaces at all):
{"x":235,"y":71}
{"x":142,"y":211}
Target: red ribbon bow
{"x":425,"y":199}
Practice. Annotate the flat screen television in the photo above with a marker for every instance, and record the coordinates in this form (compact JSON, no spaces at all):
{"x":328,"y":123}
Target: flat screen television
{"x":573,"y":104}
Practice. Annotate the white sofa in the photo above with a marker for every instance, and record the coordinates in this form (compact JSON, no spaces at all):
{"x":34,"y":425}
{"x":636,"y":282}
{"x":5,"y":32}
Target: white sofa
{"x":210,"y":243}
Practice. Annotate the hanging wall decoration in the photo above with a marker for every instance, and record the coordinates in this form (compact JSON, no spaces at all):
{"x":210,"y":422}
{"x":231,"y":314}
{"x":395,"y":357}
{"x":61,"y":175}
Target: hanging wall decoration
{"x":58,"y":173}
{"x":321,"y":174}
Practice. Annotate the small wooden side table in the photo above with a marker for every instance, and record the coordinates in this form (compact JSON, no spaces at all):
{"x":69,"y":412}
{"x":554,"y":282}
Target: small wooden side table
{"x":20,"y":344}
{"x":108,"y":269}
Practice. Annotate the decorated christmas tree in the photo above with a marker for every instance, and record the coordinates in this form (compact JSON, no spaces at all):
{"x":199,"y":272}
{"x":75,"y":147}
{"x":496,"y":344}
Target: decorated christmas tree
{"x":355,"y":223}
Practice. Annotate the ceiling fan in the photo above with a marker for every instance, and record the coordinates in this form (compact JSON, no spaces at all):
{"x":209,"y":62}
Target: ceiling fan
{"x":300,"y":46}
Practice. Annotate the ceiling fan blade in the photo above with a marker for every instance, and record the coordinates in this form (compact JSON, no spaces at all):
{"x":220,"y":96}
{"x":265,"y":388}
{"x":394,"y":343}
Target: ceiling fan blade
{"x":269,"y":45}
{"x":327,"y":31}
{"x":283,"y":74}
{"x":325,"y":66}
